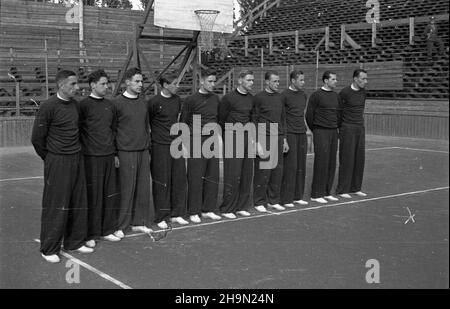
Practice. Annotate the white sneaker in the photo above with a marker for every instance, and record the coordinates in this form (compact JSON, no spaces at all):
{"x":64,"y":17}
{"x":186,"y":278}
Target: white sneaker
{"x":345,"y":195}
{"x":290,"y":205}
{"x":195,"y":219}
{"x":90,"y":243}
{"x":112,"y":237}
{"x":179,"y":220}
{"x":320,"y":200}
{"x":119,"y":234}
{"x":331,"y":198}
{"x":162,"y":225}
{"x":261,"y":208}
{"x":301,"y":202}
{"x":243,"y":213}
{"x":360,"y":193}
{"x":229,"y":215}
{"x":84,"y":249}
{"x":142,"y":229}
{"x":53,"y":258}
{"x":276,"y":206}
{"x":211,"y":215}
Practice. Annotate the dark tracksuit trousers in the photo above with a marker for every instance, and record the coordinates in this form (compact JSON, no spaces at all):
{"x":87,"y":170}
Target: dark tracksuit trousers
{"x":64,"y":213}
{"x":267,"y":182}
{"x":294,"y":168}
{"x":169,"y":183}
{"x":203,"y":183}
{"x":103,"y":195}
{"x":134,"y":172}
{"x":352,"y":144}
{"x":325,"y":151}
{"x":238,"y":176}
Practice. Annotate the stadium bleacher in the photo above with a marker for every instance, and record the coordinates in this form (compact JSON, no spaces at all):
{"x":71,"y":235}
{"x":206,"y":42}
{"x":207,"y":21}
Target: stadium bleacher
{"x":422,"y":79}
{"x":22,"y":45}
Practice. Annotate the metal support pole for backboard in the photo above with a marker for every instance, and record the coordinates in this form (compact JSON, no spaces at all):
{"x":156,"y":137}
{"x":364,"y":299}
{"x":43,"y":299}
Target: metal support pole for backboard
{"x":189,"y":56}
{"x":197,"y":69}
{"x":296,"y":41}
{"x":161,"y":48}
{"x":327,"y":38}
{"x":137,"y":62}
{"x":130,"y":54}
{"x":411,"y":31}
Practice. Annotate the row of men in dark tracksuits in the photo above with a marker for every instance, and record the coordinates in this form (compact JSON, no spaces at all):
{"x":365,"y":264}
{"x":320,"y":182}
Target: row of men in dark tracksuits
{"x":84,"y":145}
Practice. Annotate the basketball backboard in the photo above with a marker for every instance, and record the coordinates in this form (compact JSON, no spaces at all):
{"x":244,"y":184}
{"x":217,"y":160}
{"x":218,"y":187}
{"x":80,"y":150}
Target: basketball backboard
{"x":179,"y":14}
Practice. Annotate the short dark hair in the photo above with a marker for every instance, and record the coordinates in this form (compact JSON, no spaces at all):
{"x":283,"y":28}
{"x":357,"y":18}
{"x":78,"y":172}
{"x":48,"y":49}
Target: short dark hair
{"x":131,"y":72}
{"x":357,"y":72}
{"x":327,"y":75}
{"x":167,"y":78}
{"x":207,"y":72}
{"x":96,"y":75}
{"x":244,"y":73}
{"x":295,"y":74}
{"x":269,"y":74}
{"x":62,"y":75}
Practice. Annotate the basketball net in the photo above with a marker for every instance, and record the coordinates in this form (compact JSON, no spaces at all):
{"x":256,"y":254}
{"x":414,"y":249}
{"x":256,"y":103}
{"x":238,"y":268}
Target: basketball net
{"x":207,"y":19}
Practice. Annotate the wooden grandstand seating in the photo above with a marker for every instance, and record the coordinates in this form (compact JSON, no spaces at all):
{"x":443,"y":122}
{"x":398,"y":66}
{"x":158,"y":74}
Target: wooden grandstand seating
{"x":422,"y":78}
{"x":27,"y":27}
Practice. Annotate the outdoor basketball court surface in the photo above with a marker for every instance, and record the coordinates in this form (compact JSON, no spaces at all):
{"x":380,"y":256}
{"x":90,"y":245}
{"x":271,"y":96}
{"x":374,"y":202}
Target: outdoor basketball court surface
{"x":403,"y":224}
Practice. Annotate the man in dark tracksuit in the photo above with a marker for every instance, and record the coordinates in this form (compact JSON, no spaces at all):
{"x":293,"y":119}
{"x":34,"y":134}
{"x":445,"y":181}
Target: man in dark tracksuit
{"x":202,"y":172}
{"x":236,"y":109}
{"x":168,"y":173}
{"x":97,"y":117}
{"x":294,"y":171}
{"x":352,"y":136}
{"x":132,"y":143}
{"x":269,"y":109}
{"x":55,"y":138}
{"x":322,"y":117}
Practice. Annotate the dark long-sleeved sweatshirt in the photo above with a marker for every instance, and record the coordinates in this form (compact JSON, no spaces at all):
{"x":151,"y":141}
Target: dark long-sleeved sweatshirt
{"x":295,"y":105}
{"x":269,"y":108}
{"x":163,"y":113}
{"x":352,"y":105}
{"x":236,"y":107}
{"x":55,"y":128}
{"x":97,"y":126}
{"x":204,"y":105}
{"x":132,"y":127}
{"x":323,"y":110}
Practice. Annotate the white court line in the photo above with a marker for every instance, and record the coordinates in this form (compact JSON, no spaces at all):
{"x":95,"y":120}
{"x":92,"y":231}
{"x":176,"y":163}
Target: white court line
{"x":370,"y":149}
{"x":94,"y":270}
{"x":124,"y":286}
{"x":299,"y":209}
{"x":24,"y":178}
{"x":420,"y":149}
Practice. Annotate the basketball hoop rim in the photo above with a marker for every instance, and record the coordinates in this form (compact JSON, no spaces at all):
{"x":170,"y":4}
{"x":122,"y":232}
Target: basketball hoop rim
{"x":197,"y":12}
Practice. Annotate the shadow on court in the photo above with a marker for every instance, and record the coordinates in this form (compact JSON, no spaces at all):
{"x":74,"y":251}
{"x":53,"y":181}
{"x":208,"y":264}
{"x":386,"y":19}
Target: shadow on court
{"x":307,"y":247}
